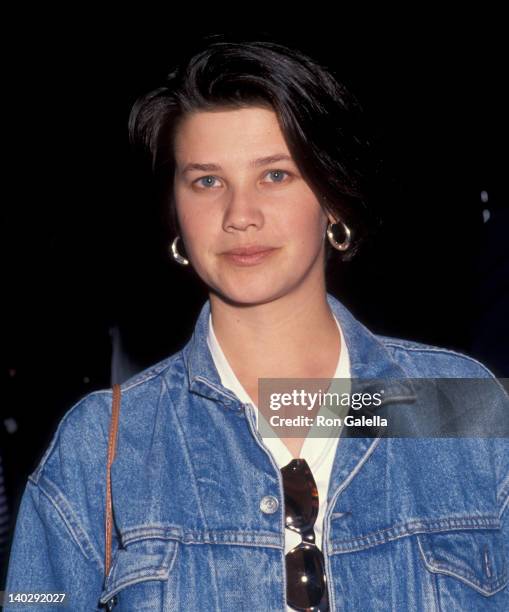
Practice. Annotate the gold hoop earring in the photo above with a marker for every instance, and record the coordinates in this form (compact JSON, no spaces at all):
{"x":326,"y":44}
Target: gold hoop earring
{"x":340,"y":246}
{"x":176,"y":255}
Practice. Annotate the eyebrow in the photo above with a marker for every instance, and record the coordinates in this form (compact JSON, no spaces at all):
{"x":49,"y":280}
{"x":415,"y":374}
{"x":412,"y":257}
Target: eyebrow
{"x":255,"y":163}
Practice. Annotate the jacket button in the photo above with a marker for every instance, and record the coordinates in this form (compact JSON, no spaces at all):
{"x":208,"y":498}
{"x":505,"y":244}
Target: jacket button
{"x":269,"y":504}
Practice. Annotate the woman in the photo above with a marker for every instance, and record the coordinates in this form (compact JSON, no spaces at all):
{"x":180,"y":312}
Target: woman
{"x":258,"y":146}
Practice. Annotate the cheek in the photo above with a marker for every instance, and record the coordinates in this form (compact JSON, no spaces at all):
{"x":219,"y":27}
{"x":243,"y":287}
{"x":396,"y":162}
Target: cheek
{"x":197,"y":233}
{"x":188,"y":214}
{"x":310,"y":228}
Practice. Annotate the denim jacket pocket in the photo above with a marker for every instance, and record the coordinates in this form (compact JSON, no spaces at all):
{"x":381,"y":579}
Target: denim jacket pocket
{"x":476,"y":557}
{"x":139,"y":574}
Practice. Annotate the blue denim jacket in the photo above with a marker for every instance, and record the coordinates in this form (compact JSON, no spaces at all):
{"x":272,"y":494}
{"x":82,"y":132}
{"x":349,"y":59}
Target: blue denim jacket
{"x":411,"y":524}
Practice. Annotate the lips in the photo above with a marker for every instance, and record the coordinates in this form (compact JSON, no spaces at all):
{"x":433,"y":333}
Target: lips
{"x":250,"y":250}
{"x":250,"y":255}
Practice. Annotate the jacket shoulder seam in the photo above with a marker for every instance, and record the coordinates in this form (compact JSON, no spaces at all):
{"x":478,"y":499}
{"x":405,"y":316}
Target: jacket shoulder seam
{"x":36,"y":474}
{"x":63,"y":509}
{"x":151,"y":373}
{"x":435,"y":349}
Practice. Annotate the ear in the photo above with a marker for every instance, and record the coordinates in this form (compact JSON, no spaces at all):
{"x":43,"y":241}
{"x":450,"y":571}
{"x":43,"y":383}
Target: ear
{"x":331,"y":218}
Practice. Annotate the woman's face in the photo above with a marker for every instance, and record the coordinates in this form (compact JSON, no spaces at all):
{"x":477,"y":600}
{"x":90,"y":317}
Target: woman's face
{"x":233,"y":201}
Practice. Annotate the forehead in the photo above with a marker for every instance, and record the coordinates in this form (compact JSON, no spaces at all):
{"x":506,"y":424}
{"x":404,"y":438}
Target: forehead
{"x":221,"y":133}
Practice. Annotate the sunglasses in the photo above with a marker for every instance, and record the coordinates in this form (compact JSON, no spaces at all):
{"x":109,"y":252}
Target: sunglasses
{"x":306,"y":586}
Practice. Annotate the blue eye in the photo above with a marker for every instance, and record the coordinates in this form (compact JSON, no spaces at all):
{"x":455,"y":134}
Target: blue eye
{"x":279,"y":172}
{"x":207,"y":177}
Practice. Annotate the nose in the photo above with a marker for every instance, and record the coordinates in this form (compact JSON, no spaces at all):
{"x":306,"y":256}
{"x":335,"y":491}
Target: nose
{"x":242,"y":212}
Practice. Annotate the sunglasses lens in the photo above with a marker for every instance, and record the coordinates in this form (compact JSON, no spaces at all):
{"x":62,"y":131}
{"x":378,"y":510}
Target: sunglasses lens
{"x":306,"y":586}
{"x":301,"y":495}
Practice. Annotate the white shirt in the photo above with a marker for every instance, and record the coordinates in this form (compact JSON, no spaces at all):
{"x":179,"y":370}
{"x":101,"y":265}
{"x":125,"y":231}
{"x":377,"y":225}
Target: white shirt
{"x":318,"y":452}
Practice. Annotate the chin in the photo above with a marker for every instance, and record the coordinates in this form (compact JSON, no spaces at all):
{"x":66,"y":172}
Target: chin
{"x":253,"y":296}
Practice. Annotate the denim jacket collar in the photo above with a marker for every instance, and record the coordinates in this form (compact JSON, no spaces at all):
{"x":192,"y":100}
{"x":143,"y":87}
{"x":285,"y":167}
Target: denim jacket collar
{"x":370,"y":359}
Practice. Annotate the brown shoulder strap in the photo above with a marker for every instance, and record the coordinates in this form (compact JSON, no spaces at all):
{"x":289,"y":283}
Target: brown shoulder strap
{"x":112,"y":444}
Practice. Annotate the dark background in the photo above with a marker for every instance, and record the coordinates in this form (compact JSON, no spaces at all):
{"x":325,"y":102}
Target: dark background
{"x":84,"y":245}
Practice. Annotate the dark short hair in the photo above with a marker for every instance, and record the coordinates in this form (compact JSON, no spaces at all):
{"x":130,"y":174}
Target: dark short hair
{"x":320,"y":119}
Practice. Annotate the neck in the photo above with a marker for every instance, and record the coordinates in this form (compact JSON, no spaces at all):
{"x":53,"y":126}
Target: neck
{"x":291,"y":336}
